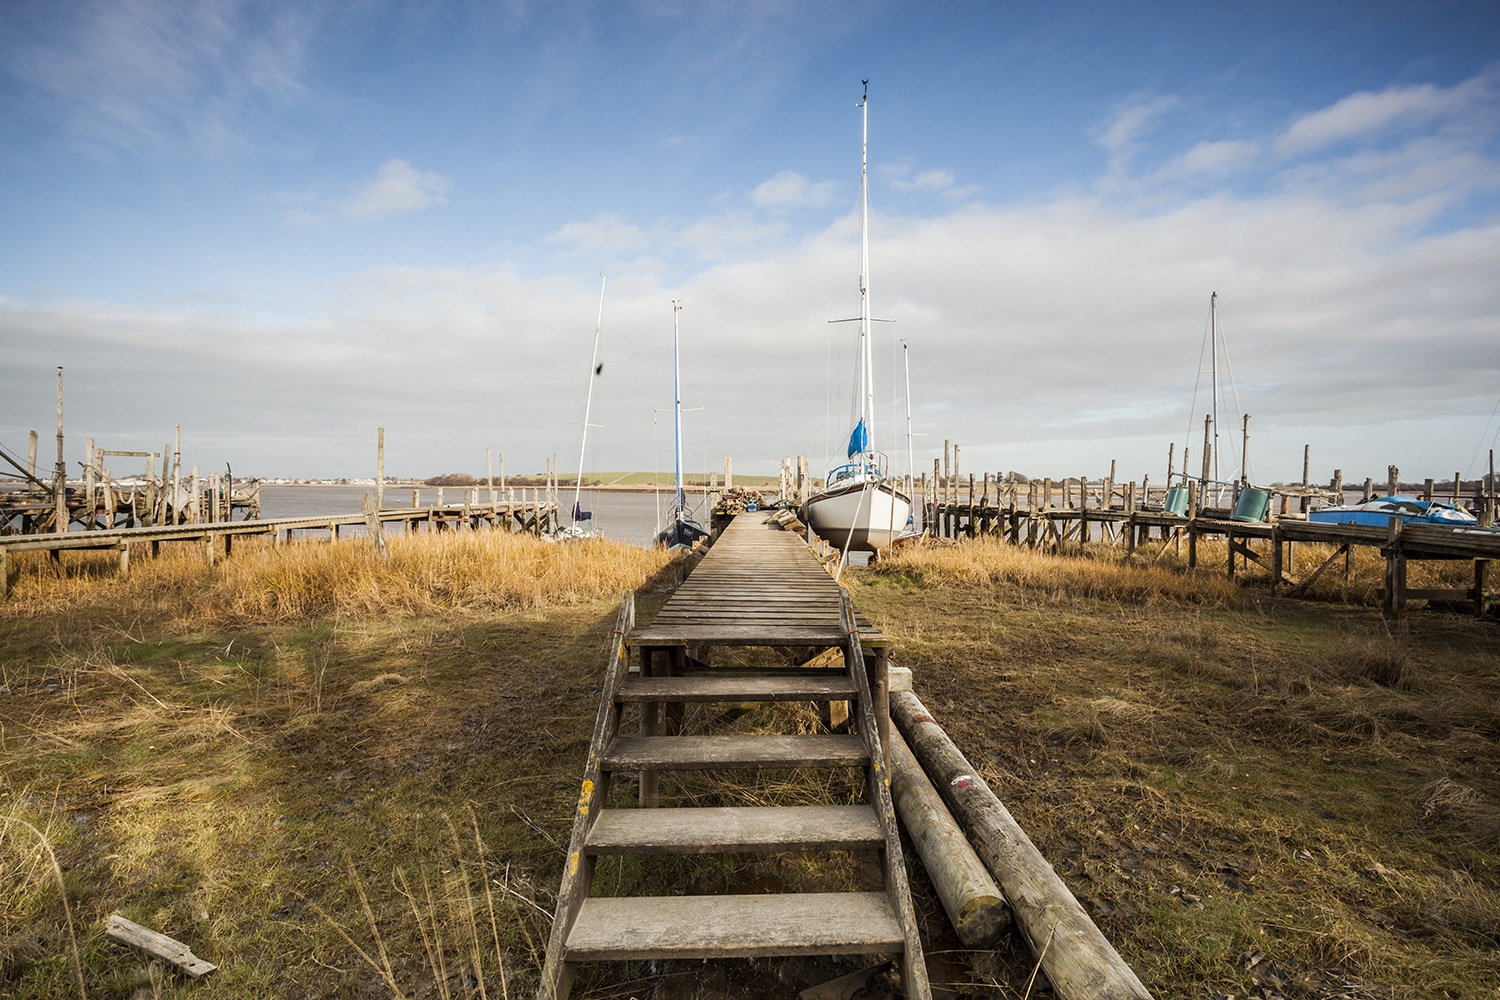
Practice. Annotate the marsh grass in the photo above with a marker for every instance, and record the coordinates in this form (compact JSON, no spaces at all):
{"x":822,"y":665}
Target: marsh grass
{"x":296,"y":752}
{"x":1322,"y":781}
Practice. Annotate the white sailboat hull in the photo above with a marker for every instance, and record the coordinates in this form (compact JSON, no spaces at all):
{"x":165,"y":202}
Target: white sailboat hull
{"x":862,"y":516}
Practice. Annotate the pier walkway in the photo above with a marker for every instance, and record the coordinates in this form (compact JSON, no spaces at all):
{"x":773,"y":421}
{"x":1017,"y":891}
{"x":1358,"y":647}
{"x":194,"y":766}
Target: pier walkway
{"x":758,"y":586}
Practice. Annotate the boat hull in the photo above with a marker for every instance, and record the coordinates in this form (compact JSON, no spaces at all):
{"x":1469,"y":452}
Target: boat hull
{"x":864,"y":516}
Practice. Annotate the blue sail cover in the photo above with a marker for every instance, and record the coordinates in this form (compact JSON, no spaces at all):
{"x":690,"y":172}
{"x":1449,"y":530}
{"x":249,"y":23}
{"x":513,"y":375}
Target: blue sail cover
{"x":859,"y":441}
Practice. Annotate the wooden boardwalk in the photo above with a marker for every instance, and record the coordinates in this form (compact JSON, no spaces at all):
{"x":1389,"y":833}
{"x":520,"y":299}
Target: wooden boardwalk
{"x":758,"y":586}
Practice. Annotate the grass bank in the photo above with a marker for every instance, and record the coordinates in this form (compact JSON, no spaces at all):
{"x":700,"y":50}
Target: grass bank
{"x":332,"y":774}
{"x":340,"y":776}
{"x":1249,"y":794}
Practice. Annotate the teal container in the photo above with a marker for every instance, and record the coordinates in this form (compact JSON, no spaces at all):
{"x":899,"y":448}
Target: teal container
{"x":1177,"y":500}
{"x":1253,"y":504}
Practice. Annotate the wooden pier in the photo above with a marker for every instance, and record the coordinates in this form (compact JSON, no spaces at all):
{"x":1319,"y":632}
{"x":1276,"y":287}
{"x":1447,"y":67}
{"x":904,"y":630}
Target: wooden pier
{"x":1125,"y":517}
{"x":758,"y":586}
{"x":537,"y":516}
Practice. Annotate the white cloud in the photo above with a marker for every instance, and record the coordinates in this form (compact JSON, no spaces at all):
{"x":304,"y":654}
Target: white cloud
{"x":1124,"y":129}
{"x":605,"y":232}
{"x":1367,"y":114}
{"x":1217,"y":157}
{"x":790,"y":189}
{"x":140,"y":73}
{"x":398,"y":187}
{"x":727,"y":235}
{"x":899,"y":176}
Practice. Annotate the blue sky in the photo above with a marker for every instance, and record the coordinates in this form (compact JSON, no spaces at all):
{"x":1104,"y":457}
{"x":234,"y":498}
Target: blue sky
{"x":282,"y":225}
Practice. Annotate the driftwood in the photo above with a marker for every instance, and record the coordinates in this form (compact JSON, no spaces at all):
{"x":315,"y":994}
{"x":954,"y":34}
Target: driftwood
{"x":157,"y":945}
{"x":972,"y":900}
{"x":1078,"y":959}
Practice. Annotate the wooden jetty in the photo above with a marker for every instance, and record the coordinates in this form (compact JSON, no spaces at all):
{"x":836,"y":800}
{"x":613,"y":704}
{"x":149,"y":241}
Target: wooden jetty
{"x":1054,"y":514}
{"x":537,"y":516}
{"x":758,"y":586}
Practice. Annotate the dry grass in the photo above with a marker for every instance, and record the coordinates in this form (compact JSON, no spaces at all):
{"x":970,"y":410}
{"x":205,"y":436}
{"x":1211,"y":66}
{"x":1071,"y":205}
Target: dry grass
{"x":264,"y":584}
{"x":276,"y":763}
{"x":1321,"y":782}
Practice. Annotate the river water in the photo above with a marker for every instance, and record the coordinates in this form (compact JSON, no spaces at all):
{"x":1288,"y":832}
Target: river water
{"x":627,"y":517}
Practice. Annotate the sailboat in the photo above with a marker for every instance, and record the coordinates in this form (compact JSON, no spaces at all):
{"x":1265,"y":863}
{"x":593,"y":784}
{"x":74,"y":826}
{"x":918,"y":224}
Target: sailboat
{"x":681,"y":531}
{"x":578,"y":525}
{"x":861,"y":508}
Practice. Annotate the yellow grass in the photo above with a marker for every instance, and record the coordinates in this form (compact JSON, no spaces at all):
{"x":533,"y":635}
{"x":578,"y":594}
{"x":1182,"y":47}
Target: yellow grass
{"x":264,"y":584}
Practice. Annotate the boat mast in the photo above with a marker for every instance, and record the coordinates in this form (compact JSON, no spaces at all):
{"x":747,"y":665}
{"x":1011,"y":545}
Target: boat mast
{"x":1213,"y":360}
{"x":911,"y":464}
{"x":866,"y":364}
{"x":680,"y":503}
{"x":588,"y":403}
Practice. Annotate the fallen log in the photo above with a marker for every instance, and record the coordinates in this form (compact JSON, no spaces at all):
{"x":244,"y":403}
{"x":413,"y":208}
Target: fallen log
{"x":1077,"y":957}
{"x":970,"y":897}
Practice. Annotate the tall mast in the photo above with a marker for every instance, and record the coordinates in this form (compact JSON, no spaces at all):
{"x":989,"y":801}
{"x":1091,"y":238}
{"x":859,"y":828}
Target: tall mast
{"x":680,"y":503}
{"x":866,"y":364}
{"x":589,"y":401}
{"x":911,"y":464}
{"x":1213,"y":357}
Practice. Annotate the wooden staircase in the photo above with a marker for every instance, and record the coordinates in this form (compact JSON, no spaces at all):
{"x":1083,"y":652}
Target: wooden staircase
{"x":588,"y":928}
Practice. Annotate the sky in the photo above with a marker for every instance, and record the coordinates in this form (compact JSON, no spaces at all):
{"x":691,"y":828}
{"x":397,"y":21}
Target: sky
{"x":283,"y":225}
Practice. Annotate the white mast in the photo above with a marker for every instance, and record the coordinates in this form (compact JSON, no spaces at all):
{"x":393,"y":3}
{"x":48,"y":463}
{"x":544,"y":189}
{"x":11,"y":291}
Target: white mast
{"x":588,"y":402}
{"x":911,"y":463}
{"x":866,"y":364}
{"x":1213,"y":360}
{"x":680,"y":503}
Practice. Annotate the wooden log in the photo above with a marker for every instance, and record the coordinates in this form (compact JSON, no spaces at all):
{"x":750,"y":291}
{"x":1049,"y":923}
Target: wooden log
{"x":371,"y":508}
{"x":974,"y":904}
{"x":1078,"y":959}
{"x":157,"y":945}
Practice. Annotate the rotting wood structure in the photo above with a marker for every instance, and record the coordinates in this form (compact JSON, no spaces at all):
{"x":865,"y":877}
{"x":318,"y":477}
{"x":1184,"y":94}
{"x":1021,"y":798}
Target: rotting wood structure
{"x":537,"y":516}
{"x":1123,"y":515}
{"x":757,"y":586}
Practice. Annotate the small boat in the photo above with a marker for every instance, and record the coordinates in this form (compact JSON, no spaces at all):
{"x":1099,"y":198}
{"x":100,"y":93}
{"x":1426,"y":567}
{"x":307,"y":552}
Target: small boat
{"x":861,"y":508}
{"x":1380,"y":511}
{"x":681,"y":531}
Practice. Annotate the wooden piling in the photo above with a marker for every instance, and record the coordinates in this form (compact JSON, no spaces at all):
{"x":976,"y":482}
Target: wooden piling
{"x":1078,"y":959}
{"x":974,"y":903}
{"x":380,"y":468}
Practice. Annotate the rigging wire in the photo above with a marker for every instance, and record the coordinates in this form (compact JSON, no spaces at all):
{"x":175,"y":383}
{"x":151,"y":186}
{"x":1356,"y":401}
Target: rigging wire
{"x":1480,"y":446}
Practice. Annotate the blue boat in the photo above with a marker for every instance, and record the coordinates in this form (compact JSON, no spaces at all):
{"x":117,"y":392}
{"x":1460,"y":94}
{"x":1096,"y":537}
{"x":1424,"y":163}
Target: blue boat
{"x":1379,"y":511}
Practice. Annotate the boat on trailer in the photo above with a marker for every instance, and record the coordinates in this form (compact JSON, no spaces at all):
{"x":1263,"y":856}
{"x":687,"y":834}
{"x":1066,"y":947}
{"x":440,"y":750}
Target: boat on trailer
{"x":860,"y":507}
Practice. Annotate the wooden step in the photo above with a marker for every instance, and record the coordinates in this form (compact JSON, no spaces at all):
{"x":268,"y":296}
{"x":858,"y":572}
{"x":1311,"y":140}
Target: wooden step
{"x":837,"y":687}
{"x":676,"y":753}
{"x":741,"y":926}
{"x":736,"y":829}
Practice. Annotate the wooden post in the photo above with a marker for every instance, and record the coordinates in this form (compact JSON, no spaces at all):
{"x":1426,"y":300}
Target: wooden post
{"x":955,"y":471}
{"x":1171,"y":457}
{"x":90,"y":507}
{"x":1078,"y":959}
{"x":1393,"y":601}
{"x":1427,"y":489}
{"x":1337,"y":485}
{"x":195,"y":511}
{"x":803,"y":486}
{"x":1393,"y":479}
{"x":5,"y":570}
{"x":1481,"y":570}
{"x":974,"y":904}
{"x":31,"y":456}
{"x":1457,"y":487}
{"x":728,"y":472}
{"x":60,"y":473}
{"x":1369,"y":489}
{"x":371,"y":508}
{"x":380,"y":468}
{"x":947,"y":462}
{"x":502,"y":473}
{"x":177,"y":472}
{"x":1109,"y":490}
{"x":1208,"y":452}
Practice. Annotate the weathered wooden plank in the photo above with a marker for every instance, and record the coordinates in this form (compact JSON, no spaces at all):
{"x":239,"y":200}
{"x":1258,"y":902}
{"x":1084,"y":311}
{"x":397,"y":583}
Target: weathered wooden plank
{"x":667,"y":753}
{"x":158,"y":945}
{"x":761,"y":688}
{"x":737,"y":926}
{"x":735,"y":830}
